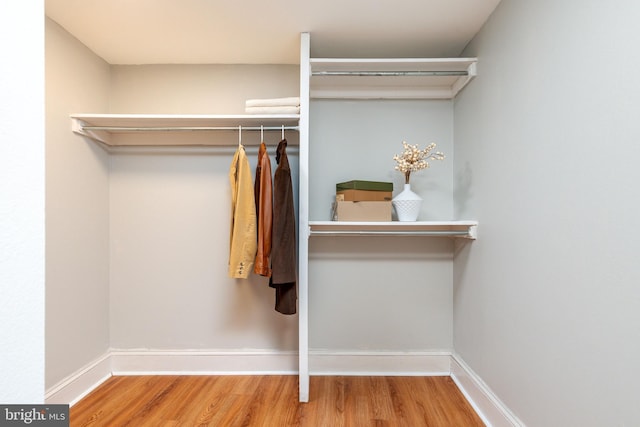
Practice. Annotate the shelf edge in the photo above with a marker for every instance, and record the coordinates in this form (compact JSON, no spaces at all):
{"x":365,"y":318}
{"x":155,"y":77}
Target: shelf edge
{"x":455,"y":229}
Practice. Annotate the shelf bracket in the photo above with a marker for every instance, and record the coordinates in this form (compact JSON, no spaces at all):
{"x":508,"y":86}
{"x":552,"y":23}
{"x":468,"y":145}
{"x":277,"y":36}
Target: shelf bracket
{"x":473,"y":232}
{"x":464,"y":80}
{"x":77,"y":126}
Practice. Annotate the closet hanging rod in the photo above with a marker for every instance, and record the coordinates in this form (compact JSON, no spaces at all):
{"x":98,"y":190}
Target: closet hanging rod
{"x":186,"y":128}
{"x":445,"y":233}
{"x":390,"y":73}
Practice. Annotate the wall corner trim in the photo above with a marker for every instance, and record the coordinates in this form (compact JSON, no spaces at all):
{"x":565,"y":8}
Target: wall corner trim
{"x":487,"y":405}
{"x":82,"y":382}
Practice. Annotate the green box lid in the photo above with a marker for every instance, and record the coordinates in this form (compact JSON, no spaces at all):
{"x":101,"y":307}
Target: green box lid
{"x":365,"y":185}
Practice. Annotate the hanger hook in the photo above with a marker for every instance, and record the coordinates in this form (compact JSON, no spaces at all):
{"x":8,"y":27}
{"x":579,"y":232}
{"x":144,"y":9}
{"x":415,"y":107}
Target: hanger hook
{"x":282,"y":131}
{"x":261,"y":133}
{"x":239,"y":135}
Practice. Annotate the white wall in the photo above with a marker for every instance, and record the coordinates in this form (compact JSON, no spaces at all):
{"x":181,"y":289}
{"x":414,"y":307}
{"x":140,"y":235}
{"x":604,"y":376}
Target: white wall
{"x":77,"y":220}
{"x":22,"y":202}
{"x":170,"y":218}
{"x":546,"y":300}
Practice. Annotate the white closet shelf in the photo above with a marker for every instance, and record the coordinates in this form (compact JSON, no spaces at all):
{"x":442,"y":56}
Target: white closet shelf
{"x":460,"y":229}
{"x":103,"y":127}
{"x":392,"y":78}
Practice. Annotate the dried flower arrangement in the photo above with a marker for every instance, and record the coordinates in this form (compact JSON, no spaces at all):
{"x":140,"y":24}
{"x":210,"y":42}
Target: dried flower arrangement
{"x":414,"y":159}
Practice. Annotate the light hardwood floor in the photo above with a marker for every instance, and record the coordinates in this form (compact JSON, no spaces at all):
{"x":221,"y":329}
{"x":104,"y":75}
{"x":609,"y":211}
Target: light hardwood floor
{"x":272,"y":401}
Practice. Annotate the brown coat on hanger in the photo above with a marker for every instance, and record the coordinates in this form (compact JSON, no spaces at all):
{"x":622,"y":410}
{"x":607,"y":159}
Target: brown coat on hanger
{"x":283,"y":251}
{"x":263,"y":190}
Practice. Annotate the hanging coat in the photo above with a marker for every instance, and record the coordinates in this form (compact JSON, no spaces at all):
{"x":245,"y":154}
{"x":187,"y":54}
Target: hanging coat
{"x":264,"y":211}
{"x":283,"y":250}
{"x":242,"y":239}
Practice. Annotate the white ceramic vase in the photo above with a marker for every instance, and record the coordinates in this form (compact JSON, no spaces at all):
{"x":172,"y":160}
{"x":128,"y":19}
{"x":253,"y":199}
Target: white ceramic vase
{"x":407,"y":204}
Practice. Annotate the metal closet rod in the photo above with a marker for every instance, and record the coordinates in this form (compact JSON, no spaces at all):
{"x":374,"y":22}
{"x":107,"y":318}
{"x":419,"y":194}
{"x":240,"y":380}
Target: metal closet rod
{"x":391,"y":233}
{"x":390,"y":73}
{"x":189,"y":128}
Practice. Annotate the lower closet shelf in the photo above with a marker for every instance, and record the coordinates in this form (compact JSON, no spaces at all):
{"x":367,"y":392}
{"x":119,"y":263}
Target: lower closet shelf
{"x":459,"y":229}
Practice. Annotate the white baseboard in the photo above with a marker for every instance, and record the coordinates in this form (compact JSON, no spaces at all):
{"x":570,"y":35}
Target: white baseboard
{"x":153,"y":362}
{"x":379,"y":363}
{"x":77,"y":385}
{"x":493,"y":412}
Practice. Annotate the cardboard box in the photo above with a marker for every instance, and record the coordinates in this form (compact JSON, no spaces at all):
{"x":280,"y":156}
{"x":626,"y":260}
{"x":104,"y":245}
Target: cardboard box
{"x":363,"y":196}
{"x":362,"y":211}
{"x":365,"y":185}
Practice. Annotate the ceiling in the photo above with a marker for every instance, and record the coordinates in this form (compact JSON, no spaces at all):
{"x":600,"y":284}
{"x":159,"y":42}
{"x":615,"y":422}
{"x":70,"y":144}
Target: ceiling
{"x":267,"y":31}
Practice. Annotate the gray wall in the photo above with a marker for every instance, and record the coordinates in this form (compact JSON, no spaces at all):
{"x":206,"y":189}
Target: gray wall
{"x":77,"y":206}
{"x":137,"y":241}
{"x":169,"y":217}
{"x":383,"y":293}
{"x":152,"y":224}
{"x":546,"y":300}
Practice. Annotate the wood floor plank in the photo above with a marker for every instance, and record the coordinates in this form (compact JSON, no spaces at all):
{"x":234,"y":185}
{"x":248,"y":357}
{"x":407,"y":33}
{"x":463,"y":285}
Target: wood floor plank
{"x":378,"y":395}
{"x":221,"y":401}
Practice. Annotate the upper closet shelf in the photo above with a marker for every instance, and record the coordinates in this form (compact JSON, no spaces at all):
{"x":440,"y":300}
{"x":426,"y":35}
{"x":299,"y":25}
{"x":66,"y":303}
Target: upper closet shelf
{"x":392,"y":78}
{"x":462,"y":229}
{"x":154,"y":129}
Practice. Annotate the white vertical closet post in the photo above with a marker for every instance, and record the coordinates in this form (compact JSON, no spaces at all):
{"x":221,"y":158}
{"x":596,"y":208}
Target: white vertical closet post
{"x":303,"y":220}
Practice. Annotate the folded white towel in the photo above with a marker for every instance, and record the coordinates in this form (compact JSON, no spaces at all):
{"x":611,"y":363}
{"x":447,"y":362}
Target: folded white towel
{"x":292,"y":101}
{"x":273,"y":110}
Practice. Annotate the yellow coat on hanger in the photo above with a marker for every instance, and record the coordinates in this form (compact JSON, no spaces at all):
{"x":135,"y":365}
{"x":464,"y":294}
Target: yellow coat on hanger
{"x":243,"y":236}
